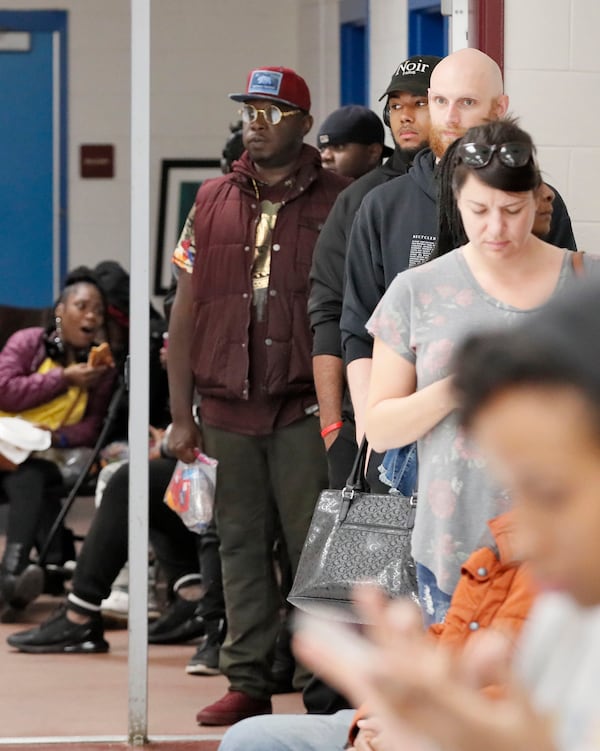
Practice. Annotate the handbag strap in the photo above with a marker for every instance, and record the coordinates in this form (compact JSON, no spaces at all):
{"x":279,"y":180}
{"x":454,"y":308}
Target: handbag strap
{"x":356,"y":479}
{"x":356,"y":482}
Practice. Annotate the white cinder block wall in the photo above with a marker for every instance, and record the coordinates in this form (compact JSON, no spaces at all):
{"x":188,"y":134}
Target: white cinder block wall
{"x":318,"y":50}
{"x":552,"y":74}
{"x":388,"y":43}
{"x":202,"y":50}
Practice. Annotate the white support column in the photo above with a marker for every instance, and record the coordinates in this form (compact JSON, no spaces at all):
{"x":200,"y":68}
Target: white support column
{"x":388,"y":45}
{"x":458,"y":10}
{"x":138,"y":371}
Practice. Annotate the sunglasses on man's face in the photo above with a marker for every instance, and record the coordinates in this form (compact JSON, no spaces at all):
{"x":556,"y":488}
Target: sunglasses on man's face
{"x":512,"y":154}
{"x":271,"y":113}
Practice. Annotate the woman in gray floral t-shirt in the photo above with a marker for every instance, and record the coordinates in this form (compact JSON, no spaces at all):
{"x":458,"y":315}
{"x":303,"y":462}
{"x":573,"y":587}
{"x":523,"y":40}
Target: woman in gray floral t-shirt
{"x":501,"y":275}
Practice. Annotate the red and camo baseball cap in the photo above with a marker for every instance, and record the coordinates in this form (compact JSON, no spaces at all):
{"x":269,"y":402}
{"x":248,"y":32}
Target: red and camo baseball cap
{"x":276,"y":84}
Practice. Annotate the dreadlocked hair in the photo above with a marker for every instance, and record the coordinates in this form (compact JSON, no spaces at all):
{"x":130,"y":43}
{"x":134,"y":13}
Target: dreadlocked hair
{"x":451,"y":233}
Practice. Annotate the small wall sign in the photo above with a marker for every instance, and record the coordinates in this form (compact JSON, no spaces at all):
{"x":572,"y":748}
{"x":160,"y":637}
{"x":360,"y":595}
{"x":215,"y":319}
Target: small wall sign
{"x":97,"y":160}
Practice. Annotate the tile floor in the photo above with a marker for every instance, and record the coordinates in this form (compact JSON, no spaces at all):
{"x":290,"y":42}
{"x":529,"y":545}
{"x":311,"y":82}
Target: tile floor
{"x":45,"y":697}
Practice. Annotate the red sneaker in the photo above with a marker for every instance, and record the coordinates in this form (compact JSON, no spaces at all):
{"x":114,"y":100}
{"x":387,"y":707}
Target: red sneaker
{"x":233,"y":707}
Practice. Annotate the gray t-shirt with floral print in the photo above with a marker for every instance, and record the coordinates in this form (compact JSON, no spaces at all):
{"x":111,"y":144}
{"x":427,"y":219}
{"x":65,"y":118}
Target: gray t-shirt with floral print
{"x":423,"y":315}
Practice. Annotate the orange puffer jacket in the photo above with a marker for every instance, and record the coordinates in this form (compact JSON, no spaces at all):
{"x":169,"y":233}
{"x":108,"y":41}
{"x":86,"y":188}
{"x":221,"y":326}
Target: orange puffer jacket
{"x":495,"y":589}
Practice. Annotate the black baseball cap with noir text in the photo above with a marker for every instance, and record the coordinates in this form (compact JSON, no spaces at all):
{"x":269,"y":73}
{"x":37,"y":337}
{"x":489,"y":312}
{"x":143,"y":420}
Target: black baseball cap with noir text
{"x":412,"y":75}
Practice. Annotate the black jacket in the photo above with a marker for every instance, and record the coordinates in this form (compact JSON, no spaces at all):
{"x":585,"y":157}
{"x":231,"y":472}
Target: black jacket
{"x":327,"y":273}
{"x":395,"y":228}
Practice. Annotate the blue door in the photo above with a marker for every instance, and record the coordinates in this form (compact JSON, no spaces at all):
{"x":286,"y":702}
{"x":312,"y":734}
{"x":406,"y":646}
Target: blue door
{"x":32,"y":143}
{"x":427,"y":28}
{"x":354,"y":70}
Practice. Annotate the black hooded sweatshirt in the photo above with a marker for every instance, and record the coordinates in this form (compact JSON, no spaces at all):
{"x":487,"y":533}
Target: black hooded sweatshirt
{"x":327,"y":273}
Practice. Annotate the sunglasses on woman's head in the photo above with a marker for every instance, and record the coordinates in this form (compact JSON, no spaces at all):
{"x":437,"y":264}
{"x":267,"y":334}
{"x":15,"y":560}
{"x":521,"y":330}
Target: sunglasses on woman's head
{"x":511,"y":154}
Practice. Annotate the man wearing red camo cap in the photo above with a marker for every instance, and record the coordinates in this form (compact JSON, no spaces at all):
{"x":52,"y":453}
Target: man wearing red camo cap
{"x":239,"y":334}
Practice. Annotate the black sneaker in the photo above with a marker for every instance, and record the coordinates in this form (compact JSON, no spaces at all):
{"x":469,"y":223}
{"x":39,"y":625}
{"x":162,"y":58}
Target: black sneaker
{"x":206,"y":659}
{"x":59,"y":634}
{"x":182,"y":622}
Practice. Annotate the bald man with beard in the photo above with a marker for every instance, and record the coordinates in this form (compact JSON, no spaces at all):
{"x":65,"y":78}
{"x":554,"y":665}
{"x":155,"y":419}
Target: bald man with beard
{"x":396,"y":225}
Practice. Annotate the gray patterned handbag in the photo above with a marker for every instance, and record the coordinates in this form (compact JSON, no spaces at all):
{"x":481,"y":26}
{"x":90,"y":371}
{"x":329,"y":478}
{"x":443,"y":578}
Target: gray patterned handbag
{"x":355,"y":536}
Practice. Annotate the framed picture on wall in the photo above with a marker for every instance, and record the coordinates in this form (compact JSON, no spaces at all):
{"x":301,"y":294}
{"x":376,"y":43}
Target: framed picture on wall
{"x":179,"y":182}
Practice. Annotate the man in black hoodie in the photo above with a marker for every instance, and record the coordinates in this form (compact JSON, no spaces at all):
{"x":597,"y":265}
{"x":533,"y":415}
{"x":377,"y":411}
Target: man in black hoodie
{"x":406,"y":114}
{"x":396,"y":225}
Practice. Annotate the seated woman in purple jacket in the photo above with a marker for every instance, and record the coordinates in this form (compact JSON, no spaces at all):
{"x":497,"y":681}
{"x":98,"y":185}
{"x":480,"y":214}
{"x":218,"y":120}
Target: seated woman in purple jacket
{"x":45,"y":379}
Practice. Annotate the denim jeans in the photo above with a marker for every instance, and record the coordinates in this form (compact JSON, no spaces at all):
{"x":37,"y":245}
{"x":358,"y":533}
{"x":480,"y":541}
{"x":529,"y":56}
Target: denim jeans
{"x":306,"y":732}
{"x":399,"y":469}
{"x":434,"y":603}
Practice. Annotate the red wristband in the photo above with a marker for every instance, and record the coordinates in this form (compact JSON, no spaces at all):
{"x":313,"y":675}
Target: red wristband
{"x":330,"y":428}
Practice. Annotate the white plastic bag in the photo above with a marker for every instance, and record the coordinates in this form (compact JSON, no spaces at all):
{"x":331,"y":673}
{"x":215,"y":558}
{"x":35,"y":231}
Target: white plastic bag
{"x":191,"y":492}
{"x":18,"y":438}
